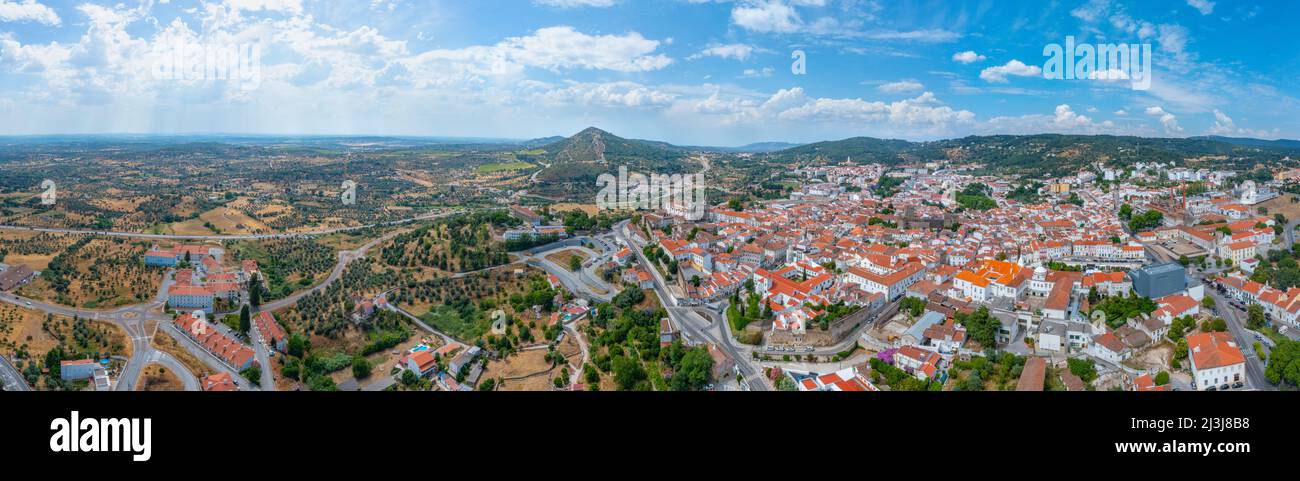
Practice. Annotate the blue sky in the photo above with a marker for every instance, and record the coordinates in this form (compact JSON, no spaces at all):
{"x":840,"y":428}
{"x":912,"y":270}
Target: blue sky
{"x":701,"y":72}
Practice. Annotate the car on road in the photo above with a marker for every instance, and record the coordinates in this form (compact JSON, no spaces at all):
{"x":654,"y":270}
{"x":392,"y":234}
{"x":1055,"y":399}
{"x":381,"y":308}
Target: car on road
{"x":1239,"y":384}
{"x":1223,"y":387}
{"x":810,"y":349}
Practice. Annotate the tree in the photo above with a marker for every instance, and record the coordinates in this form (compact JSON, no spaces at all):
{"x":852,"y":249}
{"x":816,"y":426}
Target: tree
{"x":1086,"y":369}
{"x":253,"y":374}
{"x":693,"y":370}
{"x":575,"y":262}
{"x":245,"y":321}
{"x":628,"y":373}
{"x":298,"y":345}
{"x":1125,"y":212}
{"x":361,"y":367}
{"x":1254,"y":317}
{"x":983,"y":328}
{"x":1284,"y":363}
{"x":1207,"y":302}
{"x":409,"y":378}
{"x":1162,"y":378}
{"x":255,"y":290}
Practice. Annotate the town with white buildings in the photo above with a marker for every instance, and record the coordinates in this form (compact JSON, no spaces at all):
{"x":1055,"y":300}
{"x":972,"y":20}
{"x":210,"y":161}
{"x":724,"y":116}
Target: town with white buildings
{"x":1110,"y":274}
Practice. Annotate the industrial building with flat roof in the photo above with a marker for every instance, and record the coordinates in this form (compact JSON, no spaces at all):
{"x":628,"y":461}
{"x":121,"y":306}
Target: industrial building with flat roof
{"x":1159,"y":280}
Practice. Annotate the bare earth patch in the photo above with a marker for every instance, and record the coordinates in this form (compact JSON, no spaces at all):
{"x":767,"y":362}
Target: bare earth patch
{"x":157,"y":377}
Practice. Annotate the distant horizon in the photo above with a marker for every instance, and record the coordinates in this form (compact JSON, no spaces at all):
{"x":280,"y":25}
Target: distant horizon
{"x":519,"y":140}
{"x":689,"y":72}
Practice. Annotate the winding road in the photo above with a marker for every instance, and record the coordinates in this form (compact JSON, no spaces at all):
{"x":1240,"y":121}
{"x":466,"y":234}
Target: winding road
{"x":681,"y":317}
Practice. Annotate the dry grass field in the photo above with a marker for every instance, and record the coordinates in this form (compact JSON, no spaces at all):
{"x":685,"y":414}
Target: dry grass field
{"x":106,"y":273}
{"x":233,"y":221}
{"x":1284,"y":205}
{"x":157,"y":377}
{"x":519,"y":372}
{"x":166,"y":343}
{"x":19,"y":327}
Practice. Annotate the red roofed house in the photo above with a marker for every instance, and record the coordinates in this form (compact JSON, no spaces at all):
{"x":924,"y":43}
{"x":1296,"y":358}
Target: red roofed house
{"x":1146,"y":383}
{"x":218,"y":382}
{"x":271,"y":331}
{"x":919,"y":362}
{"x":422,"y":363}
{"x":1217,"y":362}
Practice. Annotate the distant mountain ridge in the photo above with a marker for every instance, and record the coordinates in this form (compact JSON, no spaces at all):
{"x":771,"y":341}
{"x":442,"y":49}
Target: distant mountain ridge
{"x":1041,"y":154}
{"x":1252,"y":142}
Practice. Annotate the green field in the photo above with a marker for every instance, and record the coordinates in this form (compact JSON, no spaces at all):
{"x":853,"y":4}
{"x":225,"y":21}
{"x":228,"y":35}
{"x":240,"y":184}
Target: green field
{"x":502,"y":166}
{"x":470,"y":324}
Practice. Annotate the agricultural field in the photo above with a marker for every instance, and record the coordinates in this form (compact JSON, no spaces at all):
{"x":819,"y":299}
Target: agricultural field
{"x":287,"y":265}
{"x":503,"y":166}
{"x":462,"y":307}
{"x":97,"y":273}
{"x":460,"y":243}
{"x":33,"y":249}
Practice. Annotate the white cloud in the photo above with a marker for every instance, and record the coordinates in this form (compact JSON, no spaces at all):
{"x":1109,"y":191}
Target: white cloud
{"x":1091,"y":11}
{"x":552,"y":48}
{"x":738,"y":51}
{"x":929,"y":35}
{"x":576,"y":3}
{"x":968,"y":57}
{"x":923,"y":110}
{"x":756,"y":73}
{"x":1206,"y":7}
{"x":286,"y":6}
{"x":1223,"y":125}
{"x":1168,"y":120}
{"x":610,"y":94}
{"x":999,"y":73}
{"x":1064,"y":120}
{"x":901,"y":86}
{"x":769,"y":16}
{"x":28,"y":11}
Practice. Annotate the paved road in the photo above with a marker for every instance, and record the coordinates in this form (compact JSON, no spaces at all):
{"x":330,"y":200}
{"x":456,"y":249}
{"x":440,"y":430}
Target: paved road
{"x":262,"y":351}
{"x":688,"y":321}
{"x":573,"y":281}
{"x":1236,"y":326}
{"x":10,"y":378}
